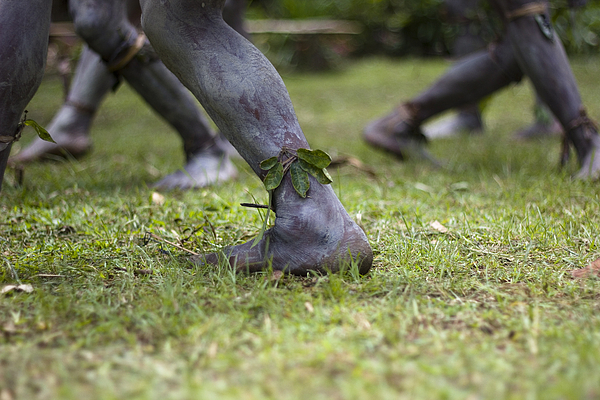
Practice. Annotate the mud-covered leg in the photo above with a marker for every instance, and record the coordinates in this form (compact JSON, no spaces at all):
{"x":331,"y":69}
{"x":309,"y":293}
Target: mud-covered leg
{"x":542,"y":57}
{"x":470,"y":80}
{"x":248,"y":101}
{"x":103,"y":24}
{"x":464,"y":15}
{"x":23,"y":50}
{"x":70,"y":126}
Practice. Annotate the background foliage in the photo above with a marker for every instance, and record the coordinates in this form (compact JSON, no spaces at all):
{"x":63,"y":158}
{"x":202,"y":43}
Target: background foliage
{"x":401,"y":27}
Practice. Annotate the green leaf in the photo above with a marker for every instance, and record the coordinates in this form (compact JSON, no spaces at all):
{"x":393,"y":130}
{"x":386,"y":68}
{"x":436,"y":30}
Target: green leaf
{"x":322,"y":175}
{"x":318,"y":158}
{"x":299,"y":179}
{"x":274,"y":177}
{"x":268,"y":163}
{"x":41,"y":132}
{"x":326,"y":177}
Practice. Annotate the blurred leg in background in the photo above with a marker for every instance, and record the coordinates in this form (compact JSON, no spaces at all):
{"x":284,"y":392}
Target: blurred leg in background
{"x":465,"y":15}
{"x":529,"y":47}
{"x":23,"y":50}
{"x":207,"y":160}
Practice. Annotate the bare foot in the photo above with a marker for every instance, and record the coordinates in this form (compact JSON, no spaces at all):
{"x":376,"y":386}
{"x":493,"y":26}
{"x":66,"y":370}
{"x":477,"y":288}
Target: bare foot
{"x":207,"y":167}
{"x":70,"y":130}
{"x":462,"y":122}
{"x":590,"y":165}
{"x":311,"y":234}
{"x":395,"y":134}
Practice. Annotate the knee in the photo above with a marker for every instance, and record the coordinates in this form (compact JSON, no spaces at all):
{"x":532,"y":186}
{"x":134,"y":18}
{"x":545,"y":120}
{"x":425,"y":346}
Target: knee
{"x":103,"y":25}
{"x":91,"y":24}
{"x":192,"y":12}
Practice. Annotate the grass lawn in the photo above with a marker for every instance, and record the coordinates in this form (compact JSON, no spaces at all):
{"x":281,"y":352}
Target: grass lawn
{"x":485,"y":310}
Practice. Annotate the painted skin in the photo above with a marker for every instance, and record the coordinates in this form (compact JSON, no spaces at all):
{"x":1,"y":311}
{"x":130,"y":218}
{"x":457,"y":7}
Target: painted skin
{"x":23,"y":53}
{"x":524,"y":50}
{"x":207,"y":158}
{"x":248,"y":101}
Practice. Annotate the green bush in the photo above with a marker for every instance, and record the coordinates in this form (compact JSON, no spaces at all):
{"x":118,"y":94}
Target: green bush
{"x":401,"y":27}
{"x":578,"y":29}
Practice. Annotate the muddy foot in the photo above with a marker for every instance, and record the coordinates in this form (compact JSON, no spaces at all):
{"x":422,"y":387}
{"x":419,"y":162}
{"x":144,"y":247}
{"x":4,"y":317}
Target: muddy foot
{"x":312,"y":234}
{"x":453,"y":125}
{"x":207,"y":167}
{"x":394,"y":134}
{"x":72,"y":144}
{"x":590,"y":165}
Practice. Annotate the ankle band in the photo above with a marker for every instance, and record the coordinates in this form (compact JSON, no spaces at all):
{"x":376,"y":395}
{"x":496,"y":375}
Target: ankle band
{"x":530,"y":9}
{"x":582,"y":120}
{"x":122,"y":61}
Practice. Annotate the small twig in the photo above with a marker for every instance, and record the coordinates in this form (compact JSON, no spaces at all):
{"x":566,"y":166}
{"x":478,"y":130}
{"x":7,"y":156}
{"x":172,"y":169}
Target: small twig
{"x":354,"y":162}
{"x":153,"y":236}
{"x":288,"y":163}
{"x":252,"y":205}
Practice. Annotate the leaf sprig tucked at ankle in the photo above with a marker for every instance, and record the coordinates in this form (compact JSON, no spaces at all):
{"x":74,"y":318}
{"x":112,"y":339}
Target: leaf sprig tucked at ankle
{"x":300,"y":163}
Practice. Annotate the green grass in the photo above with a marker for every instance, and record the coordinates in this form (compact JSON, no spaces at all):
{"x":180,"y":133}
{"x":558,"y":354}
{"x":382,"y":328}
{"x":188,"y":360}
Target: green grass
{"x":486,"y":310}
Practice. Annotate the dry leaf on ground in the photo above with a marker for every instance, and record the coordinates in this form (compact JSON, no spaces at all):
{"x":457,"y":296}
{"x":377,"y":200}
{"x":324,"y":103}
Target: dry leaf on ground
{"x":590,"y":270}
{"x":158,"y":199}
{"x":439,"y":227}
{"x":16,"y":288}
{"x":5,"y":394}
{"x":9,"y":327}
{"x":309,"y":307}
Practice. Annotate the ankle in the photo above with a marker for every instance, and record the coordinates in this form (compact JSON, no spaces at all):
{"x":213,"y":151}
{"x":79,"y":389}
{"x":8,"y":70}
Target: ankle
{"x":71,"y":121}
{"x":583,"y":134}
{"x":320,"y":199}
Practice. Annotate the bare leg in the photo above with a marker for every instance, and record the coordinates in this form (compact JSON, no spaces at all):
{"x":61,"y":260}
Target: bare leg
{"x":545,"y":62}
{"x":70,"y":126}
{"x":206,"y":160}
{"x":70,"y":129}
{"x":464,"y":15}
{"x":92,"y":81}
{"x":246,"y":98}
{"x":233,"y":13}
{"x":470,"y":80}
{"x":23,"y":48}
